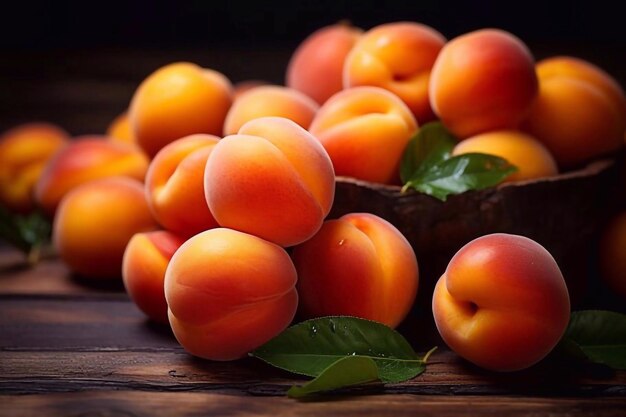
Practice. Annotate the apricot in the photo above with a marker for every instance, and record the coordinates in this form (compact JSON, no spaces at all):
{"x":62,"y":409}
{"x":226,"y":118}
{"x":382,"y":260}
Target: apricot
{"x":243,"y":86}
{"x":86,"y":159}
{"x":273,"y":180}
{"x":229,"y":292}
{"x":143,"y":270}
{"x":175,"y":185}
{"x":358,"y":265}
{"x":178,"y":100}
{"x":613,"y":254}
{"x":398,"y":57}
{"x":531,"y":158}
{"x":24,"y":152}
{"x":481,"y":81}
{"x":365,"y":131}
{"x":502,"y":302}
{"x":580,"y":113}
{"x":94,"y":223}
{"x":316,"y":66}
{"x":120,"y":129}
{"x":270,"y":100}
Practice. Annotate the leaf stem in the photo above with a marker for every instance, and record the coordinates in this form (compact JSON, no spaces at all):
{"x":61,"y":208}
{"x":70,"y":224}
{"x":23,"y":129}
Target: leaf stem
{"x":427,"y":355}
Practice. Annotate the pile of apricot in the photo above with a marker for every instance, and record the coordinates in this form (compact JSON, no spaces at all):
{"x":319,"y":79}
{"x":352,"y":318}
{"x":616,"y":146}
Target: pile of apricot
{"x":211,"y":200}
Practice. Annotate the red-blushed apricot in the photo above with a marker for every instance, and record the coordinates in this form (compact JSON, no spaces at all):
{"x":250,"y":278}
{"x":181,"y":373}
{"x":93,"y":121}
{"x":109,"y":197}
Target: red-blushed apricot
{"x":175,"y":185}
{"x":178,"y":100}
{"x":267,"y":101}
{"x":613,"y":254}
{"x":502,"y":302}
{"x":481,"y":81}
{"x":580,"y":113}
{"x":243,"y":86}
{"x":24,"y":152}
{"x":365,"y":130}
{"x":530,"y":156}
{"x":86,"y":159}
{"x":316,"y":66}
{"x":229,"y":292}
{"x":120,"y":129}
{"x":94,"y":223}
{"x":397,"y":57}
{"x":273,"y":180}
{"x":143,"y":270}
{"x":358,"y":265}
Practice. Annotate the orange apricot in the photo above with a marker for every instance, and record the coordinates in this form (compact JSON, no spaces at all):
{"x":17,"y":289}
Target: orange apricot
{"x":175,"y":185}
{"x":229,"y":292}
{"x":120,"y":129}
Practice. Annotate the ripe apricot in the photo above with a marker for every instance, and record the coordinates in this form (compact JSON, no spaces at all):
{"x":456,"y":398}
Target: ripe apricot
{"x":175,"y":185}
{"x":24,"y":152}
{"x":229,"y":292}
{"x":273,"y":180}
{"x":397,"y":57}
{"x":120,"y":129}
{"x":531,"y":158}
{"x":178,"y":100}
{"x":365,"y":131}
{"x":358,"y":265}
{"x":481,"y":81}
{"x":502,"y":302}
{"x":94,"y":223}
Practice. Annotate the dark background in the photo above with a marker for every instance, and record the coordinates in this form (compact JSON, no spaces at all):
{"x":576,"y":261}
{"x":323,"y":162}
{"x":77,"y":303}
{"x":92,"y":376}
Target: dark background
{"x":78,"y":63}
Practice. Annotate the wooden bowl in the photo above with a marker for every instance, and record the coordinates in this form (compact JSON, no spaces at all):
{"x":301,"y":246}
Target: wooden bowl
{"x":562,"y":213}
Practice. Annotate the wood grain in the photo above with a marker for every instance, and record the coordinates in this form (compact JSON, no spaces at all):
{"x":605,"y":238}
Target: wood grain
{"x":167,"y":404}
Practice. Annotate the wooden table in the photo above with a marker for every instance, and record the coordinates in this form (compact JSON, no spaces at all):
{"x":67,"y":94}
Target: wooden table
{"x":69,"y":349}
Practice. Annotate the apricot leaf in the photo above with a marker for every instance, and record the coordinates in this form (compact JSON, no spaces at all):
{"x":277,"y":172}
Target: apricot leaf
{"x":26,"y":232}
{"x":599,"y":335}
{"x":471,"y":171}
{"x":432,"y":144}
{"x":345,"y":372}
{"x":311,"y":347}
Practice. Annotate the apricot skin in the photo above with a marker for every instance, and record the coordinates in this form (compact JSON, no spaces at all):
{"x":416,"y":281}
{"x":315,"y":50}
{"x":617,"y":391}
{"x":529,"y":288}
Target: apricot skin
{"x":613,"y":254}
{"x":94,"y":223}
{"x":397,"y":57}
{"x":531,"y":158}
{"x":178,"y":100}
{"x":358,"y":265}
{"x":580,"y":113}
{"x":365,"y":130}
{"x":286,"y":188}
{"x":482,"y":81}
{"x":85,"y":159}
{"x":268,"y":101}
{"x":316,"y":66}
{"x":24,"y":152}
{"x":143,"y":270}
{"x":228,"y":293}
{"x":502,"y":302}
{"x":175,"y":185}
{"x":120,"y":129}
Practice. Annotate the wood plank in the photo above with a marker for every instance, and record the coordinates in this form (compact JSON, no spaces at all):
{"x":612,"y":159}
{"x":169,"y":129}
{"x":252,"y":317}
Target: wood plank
{"x":151,"y":404}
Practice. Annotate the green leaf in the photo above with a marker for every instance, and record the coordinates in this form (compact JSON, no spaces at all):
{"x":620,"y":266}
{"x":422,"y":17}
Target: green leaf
{"x":28,"y":232}
{"x":471,"y":171}
{"x":308,"y":348}
{"x":599,"y":335}
{"x":347,"y":371}
{"x":431,"y":145}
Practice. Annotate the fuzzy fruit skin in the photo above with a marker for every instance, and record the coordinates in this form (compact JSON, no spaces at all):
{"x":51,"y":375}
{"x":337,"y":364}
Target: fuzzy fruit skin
{"x":94,"y":223}
{"x":120,"y":130}
{"x":398,"y":57}
{"x":143,"y":270}
{"x":229,"y":292}
{"x":286,"y":189}
{"x":316,"y":66}
{"x":358,"y":265}
{"x":613,"y":254}
{"x":502,"y":302}
{"x":481,"y":81}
